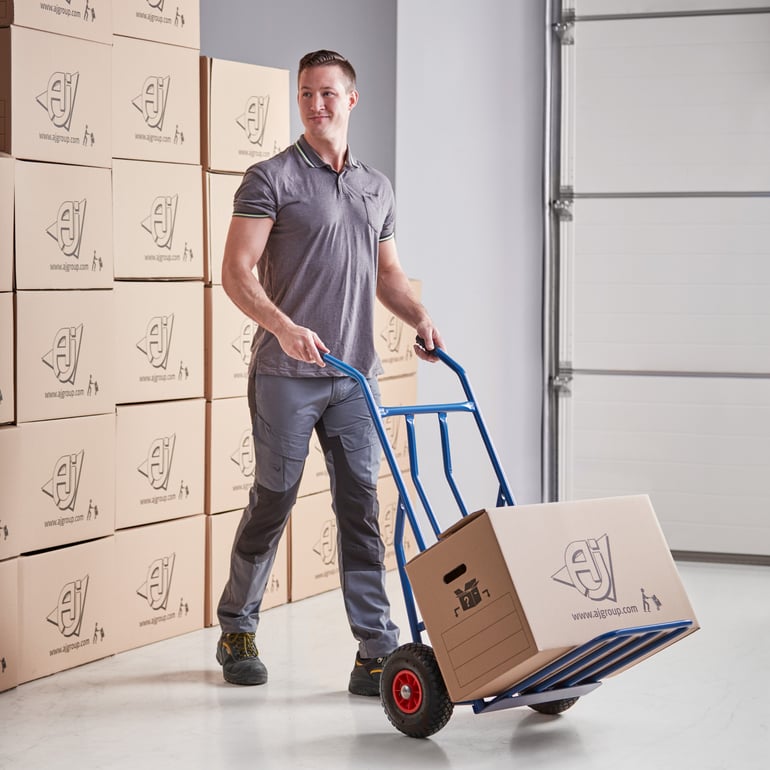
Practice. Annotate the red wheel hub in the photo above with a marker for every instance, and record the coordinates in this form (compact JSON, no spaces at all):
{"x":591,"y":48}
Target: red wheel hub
{"x":407,"y":691}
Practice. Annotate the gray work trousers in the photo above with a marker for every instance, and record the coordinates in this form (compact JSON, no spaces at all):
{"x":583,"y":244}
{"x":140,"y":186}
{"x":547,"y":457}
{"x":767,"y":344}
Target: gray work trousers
{"x":284,"y":413}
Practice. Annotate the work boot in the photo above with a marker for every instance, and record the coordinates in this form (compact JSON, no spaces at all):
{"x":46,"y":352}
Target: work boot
{"x":239,"y":658}
{"x":365,"y":677}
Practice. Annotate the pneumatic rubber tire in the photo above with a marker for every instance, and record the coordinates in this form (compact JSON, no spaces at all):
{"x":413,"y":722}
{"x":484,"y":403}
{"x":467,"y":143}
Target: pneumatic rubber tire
{"x":413,"y":692}
{"x":553,"y":707}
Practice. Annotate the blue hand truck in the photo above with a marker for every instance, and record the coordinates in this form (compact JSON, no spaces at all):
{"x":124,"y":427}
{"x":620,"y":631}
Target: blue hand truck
{"x":412,"y":689}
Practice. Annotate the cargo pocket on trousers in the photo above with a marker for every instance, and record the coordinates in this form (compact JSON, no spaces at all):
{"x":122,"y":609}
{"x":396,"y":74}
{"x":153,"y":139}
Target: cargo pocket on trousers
{"x":280,"y":457}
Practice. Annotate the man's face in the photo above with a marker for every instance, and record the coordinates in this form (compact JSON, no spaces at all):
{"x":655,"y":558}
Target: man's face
{"x":325,"y":102}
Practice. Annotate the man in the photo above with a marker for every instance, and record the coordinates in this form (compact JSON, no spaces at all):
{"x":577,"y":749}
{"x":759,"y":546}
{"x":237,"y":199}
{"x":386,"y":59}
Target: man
{"x":318,"y":225}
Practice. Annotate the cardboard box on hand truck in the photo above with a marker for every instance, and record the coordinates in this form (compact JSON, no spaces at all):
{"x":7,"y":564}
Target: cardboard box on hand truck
{"x":507,"y":591}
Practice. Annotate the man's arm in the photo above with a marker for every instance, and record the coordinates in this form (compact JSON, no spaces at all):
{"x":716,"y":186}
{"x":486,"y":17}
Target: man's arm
{"x":395,"y":292}
{"x":245,"y":244}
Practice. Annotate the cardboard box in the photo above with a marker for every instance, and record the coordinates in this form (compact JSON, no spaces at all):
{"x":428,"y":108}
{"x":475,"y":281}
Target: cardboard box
{"x":67,"y":608}
{"x":155,"y":102}
{"x":7,"y":359}
{"x":508,"y":590}
{"x":313,"y":545}
{"x":394,"y":340}
{"x":6,"y":221}
{"x":221,"y":529}
{"x":89,"y":19}
{"x":66,"y":481}
{"x":244,"y":113}
{"x":9,"y":628}
{"x":63,"y":227}
{"x":315,"y":476}
{"x":10,"y":501}
{"x":231,"y":459}
{"x":314,"y":562}
{"x":160,"y":461}
{"x":65,"y":354}
{"x":219,"y":193}
{"x":387,"y":494}
{"x":228,"y":346}
{"x":52,"y":98}
{"x":159,"y":340}
{"x":158,"y":210}
{"x":163,"y":21}
{"x":398,"y":391}
{"x":159,"y":581}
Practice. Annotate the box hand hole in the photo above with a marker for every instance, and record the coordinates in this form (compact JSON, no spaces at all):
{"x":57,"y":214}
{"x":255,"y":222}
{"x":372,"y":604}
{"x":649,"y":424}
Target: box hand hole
{"x":455,"y":573}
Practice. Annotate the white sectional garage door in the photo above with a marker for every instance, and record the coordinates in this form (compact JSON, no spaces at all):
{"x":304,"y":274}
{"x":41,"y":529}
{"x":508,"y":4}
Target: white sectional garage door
{"x":662,"y":265}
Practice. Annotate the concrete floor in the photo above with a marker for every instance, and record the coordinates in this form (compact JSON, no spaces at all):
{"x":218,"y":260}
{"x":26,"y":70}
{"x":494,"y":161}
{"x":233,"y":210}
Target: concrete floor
{"x":702,"y":703}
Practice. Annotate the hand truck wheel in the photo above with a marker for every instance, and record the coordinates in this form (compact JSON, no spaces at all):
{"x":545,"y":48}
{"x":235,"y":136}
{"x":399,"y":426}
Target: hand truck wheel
{"x":554,"y":706}
{"x":413,"y":692}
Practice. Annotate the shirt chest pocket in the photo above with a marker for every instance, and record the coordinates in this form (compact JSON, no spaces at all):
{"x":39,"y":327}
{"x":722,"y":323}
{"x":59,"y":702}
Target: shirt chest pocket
{"x":375,"y":210}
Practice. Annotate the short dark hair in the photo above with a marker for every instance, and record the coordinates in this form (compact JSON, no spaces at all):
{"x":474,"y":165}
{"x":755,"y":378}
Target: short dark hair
{"x":324,"y":58}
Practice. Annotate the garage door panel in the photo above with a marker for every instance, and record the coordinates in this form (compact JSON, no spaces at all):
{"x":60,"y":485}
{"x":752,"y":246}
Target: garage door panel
{"x":663,"y":105}
{"x":700,"y":447}
{"x":667,"y":284}
{"x":603,"y":7}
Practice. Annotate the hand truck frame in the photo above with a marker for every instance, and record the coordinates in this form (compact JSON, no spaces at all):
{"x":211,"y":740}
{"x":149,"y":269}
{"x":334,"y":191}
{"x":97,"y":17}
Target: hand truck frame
{"x":412,"y":687}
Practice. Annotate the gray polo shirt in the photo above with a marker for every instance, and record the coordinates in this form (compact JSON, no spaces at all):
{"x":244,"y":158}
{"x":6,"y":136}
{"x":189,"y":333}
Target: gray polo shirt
{"x":320,"y":263}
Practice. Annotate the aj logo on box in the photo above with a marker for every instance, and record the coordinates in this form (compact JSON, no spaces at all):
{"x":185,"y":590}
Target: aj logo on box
{"x":156,"y":343}
{"x":157,"y":467}
{"x":392,"y":334}
{"x":58,"y":100}
{"x":254,"y":119}
{"x":242,"y":343}
{"x":326,"y":545}
{"x":161,"y":220}
{"x":64,"y":483}
{"x":67,"y":616}
{"x":244,"y":456}
{"x":65,"y":352}
{"x":152,"y":100}
{"x":588,"y":569}
{"x":67,"y":230}
{"x":157,"y":587}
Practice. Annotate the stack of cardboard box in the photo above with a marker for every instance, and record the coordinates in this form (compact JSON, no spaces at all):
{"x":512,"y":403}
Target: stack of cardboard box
{"x":126,"y":454}
{"x":159,"y":359}
{"x":58,"y":507}
{"x":244,"y":119}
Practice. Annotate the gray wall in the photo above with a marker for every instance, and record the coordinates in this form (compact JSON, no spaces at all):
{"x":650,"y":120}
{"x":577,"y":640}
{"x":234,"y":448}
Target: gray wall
{"x":469,"y":137}
{"x":452,"y":110}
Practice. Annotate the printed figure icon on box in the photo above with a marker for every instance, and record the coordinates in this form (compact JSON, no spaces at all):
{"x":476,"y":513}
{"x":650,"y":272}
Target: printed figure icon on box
{"x":647,"y":599}
{"x":470,"y":596}
{"x":89,"y":14}
{"x":88,"y":137}
{"x":179,"y":18}
{"x":93,"y":385}
{"x":98,"y":633}
{"x":96,"y":263}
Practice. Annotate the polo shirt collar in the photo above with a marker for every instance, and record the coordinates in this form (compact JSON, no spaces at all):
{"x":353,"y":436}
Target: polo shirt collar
{"x":311,"y":157}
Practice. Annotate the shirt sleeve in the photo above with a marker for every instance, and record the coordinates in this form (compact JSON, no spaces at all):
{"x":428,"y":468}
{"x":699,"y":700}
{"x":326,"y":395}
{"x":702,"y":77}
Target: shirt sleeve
{"x":389,"y":224}
{"x":255,"y":197}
